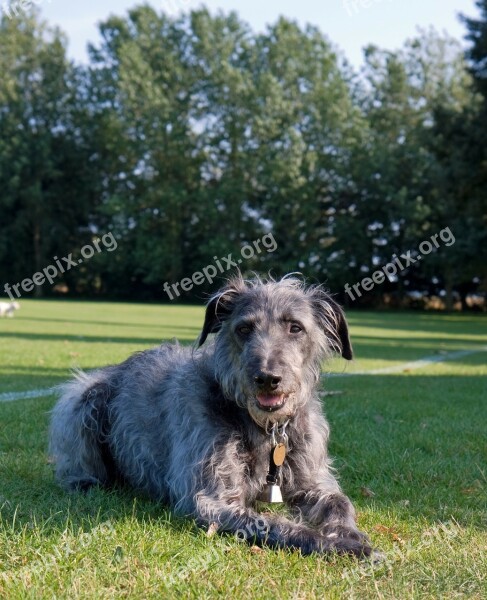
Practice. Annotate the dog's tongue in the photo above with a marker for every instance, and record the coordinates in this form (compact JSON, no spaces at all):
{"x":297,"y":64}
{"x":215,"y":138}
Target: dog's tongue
{"x":270,"y":399}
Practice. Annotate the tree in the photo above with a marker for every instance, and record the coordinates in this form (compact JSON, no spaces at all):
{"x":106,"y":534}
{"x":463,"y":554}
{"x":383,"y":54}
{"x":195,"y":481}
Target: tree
{"x":189,"y":137}
{"x":44,"y":177}
{"x":477,"y":53}
{"x":418,"y":104}
{"x":476,"y":136}
{"x":305,"y":128}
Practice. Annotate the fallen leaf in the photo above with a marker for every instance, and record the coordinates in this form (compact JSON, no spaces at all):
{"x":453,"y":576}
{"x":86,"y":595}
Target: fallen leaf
{"x":367,"y":492}
{"x":212,"y":529}
{"x":390,"y":532}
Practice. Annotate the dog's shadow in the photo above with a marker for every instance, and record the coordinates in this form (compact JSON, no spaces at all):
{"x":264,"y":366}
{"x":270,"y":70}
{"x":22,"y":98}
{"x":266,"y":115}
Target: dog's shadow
{"x":38,"y":502}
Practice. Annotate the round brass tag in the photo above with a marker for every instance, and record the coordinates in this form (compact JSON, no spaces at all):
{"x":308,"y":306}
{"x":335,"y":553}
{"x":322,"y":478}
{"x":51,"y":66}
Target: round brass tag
{"x":279,"y":454}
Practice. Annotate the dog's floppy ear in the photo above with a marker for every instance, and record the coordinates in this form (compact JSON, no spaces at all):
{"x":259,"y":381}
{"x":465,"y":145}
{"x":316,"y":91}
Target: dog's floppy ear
{"x":332,"y":318}
{"x":218,"y":309}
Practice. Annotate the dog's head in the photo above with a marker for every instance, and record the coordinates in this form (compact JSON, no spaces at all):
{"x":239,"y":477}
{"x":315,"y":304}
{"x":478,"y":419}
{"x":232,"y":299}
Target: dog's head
{"x":272,"y":337}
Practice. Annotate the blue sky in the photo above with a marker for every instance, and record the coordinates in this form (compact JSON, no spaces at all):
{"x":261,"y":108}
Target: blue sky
{"x":351,"y":24}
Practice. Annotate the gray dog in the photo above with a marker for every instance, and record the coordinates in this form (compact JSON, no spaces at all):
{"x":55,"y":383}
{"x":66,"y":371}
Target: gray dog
{"x":210,"y":431}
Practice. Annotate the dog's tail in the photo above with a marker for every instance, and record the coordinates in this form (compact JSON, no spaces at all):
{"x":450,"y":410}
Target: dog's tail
{"x":79,"y":432}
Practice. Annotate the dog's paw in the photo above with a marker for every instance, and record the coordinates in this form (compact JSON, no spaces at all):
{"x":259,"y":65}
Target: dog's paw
{"x":345,"y":532}
{"x":82,"y":485}
{"x":349,"y":541}
{"x":351,"y":546}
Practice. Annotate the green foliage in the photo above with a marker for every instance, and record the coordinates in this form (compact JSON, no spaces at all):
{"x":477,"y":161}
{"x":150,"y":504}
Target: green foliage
{"x":45,"y":182}
{"x":189,"y":137}
{"x":477,"y":53}
{"x":420,"y":103}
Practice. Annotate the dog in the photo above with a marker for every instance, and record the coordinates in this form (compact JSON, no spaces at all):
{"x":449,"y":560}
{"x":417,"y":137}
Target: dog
{"x":212,"y":430}
{"x":7,"y":309}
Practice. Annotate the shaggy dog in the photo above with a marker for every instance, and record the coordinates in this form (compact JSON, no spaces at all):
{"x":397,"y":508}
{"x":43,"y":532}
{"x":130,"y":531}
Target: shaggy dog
{"x":211,"y":431}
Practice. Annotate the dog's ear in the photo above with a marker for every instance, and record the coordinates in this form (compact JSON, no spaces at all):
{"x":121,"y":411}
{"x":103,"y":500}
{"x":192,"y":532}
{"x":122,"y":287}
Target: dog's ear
{"x":218,"y":309}
{"x":332,"y":318}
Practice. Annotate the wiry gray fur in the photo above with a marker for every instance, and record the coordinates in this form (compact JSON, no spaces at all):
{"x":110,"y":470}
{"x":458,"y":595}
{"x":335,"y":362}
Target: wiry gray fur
{"x":185,"y":425}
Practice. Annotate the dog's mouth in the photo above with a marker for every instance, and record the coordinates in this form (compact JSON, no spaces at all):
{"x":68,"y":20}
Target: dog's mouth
{"x":271,"y":402}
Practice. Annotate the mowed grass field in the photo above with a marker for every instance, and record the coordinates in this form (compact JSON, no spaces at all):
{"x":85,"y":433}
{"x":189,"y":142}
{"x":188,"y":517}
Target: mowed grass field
{"x":410,"y":448}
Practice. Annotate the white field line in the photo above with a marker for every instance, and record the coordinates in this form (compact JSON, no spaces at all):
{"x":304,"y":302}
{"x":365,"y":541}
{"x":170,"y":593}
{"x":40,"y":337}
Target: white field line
{"x":409,"y":366}
{"x":11,"y":396}
{"x":413,"y":365}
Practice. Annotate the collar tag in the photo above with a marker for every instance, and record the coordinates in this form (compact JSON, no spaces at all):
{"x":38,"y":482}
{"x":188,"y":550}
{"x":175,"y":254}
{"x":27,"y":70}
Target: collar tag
{"x":272,"y":490}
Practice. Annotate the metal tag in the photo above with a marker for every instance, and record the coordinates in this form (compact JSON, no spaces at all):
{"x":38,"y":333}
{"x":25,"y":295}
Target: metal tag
{"x":279,"y":454}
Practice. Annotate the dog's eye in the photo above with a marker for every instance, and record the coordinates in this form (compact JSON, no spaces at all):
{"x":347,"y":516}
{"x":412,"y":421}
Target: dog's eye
{"x":295,"y":328}
{"x":244,"y":329}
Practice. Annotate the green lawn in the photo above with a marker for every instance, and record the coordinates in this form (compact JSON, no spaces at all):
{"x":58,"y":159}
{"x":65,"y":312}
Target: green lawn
{"x":410,"y":448}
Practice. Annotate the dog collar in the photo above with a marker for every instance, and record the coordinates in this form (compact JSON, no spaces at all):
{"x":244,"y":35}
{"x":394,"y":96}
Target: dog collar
{"x":272,"y":490}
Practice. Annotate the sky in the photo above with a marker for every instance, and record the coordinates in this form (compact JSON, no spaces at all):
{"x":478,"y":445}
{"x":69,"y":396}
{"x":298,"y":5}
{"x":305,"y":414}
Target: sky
{"x":350,"y":24}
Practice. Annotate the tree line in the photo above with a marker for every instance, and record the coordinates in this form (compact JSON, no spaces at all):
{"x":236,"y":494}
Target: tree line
{"x":187,"y":138}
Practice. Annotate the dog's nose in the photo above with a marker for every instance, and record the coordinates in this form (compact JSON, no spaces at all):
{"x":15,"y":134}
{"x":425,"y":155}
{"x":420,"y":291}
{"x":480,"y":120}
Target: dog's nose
{"x":267,"y":380}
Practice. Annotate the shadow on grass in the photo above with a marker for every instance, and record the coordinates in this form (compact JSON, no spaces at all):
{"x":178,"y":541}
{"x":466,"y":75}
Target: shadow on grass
{"x":411,"y":348}
{"x":420,"y":321}
{"x":108,"y":323}
{"x":366,"y":347}
{"x":15,"y":379}
{"x":99,"y":339}
{"x":416,"y":443}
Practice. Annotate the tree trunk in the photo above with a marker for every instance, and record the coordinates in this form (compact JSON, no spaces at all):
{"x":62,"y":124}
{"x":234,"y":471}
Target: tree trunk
{"x":449,"y":289}
{"x":37,"y":257}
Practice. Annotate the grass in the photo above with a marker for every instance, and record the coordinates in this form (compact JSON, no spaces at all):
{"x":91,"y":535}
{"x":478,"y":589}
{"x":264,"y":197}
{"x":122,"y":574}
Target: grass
{"x":410,"y":449}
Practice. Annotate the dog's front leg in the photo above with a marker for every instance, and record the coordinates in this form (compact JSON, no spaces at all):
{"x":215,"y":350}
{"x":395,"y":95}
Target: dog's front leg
{"x":331,"y":513}
{"x":270,"y":529}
